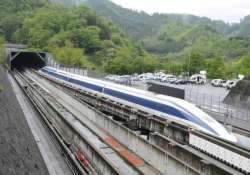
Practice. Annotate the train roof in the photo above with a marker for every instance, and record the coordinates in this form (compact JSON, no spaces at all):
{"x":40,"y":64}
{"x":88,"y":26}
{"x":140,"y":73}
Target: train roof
{"x":180,"y":104}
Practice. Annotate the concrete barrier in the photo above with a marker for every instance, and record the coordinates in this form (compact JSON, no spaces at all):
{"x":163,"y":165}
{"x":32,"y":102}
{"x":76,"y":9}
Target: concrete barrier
{"x":165,"y":162}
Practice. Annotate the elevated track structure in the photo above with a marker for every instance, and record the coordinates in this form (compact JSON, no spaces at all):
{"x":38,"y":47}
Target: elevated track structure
{"x":139,"y":120}
{"x":103,"y":136}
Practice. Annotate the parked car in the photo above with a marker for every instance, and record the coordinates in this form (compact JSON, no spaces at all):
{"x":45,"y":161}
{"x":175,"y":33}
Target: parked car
{"x":198,"y":79}
{"x":222,"y":83}
{"x":135,"y":78}
{"x":168,"y":78}
{"x":112,"y":77}
{"x":231,"y":84}
{"x":218,"y":82}
{"x":159,"y":75}
{"x":146,"y":76}
{"x":181,"y":81}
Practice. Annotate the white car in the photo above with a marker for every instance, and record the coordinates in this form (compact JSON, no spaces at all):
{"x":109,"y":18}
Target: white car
{"x":218,"y":82}
{"x":159,"y":75}
{"x":146,"y":76}
{"x":167,"y":78}
{"x":224,"y":84}
{"x":172,"y":79}
{"x":231,"y":84}
{"x":111,"y":77}
{"x":198,"y":79}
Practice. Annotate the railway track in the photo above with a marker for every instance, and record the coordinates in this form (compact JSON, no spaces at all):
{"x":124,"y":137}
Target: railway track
{"x":76,"y":156}
{"x":27,"y":88}
{"x":173,"y":131}
{"x":69,"y":131}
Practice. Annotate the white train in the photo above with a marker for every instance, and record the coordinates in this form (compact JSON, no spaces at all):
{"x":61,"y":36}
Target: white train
{"x":173,"y":109}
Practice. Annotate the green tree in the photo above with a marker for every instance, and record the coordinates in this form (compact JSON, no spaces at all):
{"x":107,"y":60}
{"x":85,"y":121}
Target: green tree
{"x":171,"y":66}
{"x":59,"y":39}
{"x":194,"y":63}
{"x":68,"y":55}
{"x":2,"y":50}
{"x":243,"y":66}
{"x":107,"y":52}
{"x":216,"y":68}
{"x":106,"y":31}
{"x":89,"y":38}
{"x":121,"y":63}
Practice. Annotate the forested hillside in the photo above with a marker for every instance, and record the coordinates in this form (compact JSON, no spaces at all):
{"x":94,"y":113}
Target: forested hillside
{"x":68,"y":2}
{"x":174,"y":34}
{"x":174,"y":37}
{"x":140,"y":24}
{"x":75,"y":35}
{"x":13,"y":13}
{"x":117,"y":40}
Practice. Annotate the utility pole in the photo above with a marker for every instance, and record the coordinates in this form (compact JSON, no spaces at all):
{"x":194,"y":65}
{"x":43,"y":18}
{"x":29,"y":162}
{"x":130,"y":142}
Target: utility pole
{"x":189,"y":56}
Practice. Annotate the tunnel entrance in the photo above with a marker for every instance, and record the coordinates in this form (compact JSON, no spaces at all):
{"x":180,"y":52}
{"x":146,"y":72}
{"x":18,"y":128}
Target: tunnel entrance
{"x":20,"y":60}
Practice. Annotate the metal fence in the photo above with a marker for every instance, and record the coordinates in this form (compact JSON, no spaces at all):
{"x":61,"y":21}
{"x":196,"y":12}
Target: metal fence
{"x":214,"y":103}
{"x":76,"y":70}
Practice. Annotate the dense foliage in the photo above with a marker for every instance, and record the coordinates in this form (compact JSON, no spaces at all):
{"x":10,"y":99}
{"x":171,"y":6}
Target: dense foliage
{"x":1,"y":57}
{"x":141,"y":24}
{"x":2,"y":49}
{"x":127,"y":41}
{"x":12,"y":14}
{"x":174,"y":37}
{"x":76,"y":36}
{"x":243,"y":65}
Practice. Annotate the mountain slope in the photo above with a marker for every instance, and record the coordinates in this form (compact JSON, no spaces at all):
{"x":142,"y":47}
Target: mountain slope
{"x":141,"y":24}
{"x":68,"y":2}
{"x":176,"y":35}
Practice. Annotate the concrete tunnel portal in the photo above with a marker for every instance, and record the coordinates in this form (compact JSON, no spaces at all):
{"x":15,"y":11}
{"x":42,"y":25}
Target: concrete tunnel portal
{"x":25,"y":59}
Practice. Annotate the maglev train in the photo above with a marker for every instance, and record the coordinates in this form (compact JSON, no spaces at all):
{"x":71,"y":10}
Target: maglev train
{"x":173,"y":109}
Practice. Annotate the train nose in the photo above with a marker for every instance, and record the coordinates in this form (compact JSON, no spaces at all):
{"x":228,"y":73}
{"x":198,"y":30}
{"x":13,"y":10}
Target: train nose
{"x":233,"y":138}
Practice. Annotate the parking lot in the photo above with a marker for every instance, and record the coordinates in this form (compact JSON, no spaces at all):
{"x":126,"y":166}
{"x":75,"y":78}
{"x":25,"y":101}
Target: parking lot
{"x":211,"y":98}
{"x":205,"y":95}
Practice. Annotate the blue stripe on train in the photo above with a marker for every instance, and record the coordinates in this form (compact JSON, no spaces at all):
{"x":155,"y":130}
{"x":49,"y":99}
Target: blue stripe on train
{"x":137,"y":100}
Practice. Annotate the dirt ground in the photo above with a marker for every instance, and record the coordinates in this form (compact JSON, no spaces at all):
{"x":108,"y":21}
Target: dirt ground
{"x":19,"y":154}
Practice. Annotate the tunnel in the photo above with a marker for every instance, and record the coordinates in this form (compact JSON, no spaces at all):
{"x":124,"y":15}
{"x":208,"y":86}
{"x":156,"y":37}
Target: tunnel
{"x":20,"y":60}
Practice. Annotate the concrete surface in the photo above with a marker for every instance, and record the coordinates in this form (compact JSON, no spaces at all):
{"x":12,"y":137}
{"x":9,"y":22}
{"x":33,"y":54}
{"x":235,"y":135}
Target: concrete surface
{"x":19,"y":154}
{"x":52,"y":156}
{"x":84,"y":114}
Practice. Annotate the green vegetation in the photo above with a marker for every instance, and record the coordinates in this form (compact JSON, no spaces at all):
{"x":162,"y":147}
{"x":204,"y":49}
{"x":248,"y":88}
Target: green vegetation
{"x":173,"y":37}
{"x":12,"y":14}
{"x":1,"y":57}
{"x":122,"y":41}
{"x":243,"y":65}
{"x":78,"y":37}
{"x":2,"y":51}
{"x":1,"y":88}
{"x":141,"y":25}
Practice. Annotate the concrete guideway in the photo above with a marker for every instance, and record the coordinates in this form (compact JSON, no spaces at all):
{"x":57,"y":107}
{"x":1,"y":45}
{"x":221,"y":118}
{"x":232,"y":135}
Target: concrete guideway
{"x":164,"y":162}
{"x":122,"y":166}
{"x":79,"y":110}
{"x":119,"y":133}
{"x":52,"y":156}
